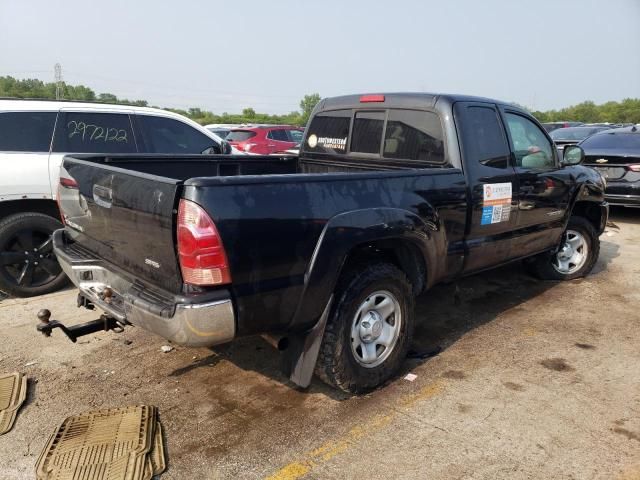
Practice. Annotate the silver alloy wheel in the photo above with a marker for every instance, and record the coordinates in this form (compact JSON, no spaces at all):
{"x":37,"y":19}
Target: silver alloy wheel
{"x":376,"y":328}
{"x":572,"y":254}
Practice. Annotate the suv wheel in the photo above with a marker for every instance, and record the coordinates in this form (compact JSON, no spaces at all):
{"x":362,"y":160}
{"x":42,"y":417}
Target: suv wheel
{"x":368,"y":333}
{"x":28,"y":266}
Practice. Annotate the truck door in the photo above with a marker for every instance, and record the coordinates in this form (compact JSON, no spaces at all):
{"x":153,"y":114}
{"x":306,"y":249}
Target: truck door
{"x":491,"y":180}
{"x":544,"y":188}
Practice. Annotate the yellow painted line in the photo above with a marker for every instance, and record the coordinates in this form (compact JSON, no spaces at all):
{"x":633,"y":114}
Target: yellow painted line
{"x":332,"y":448}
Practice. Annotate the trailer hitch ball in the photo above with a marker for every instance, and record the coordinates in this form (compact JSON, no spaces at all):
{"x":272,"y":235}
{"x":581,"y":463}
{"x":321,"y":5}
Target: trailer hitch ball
{"x":44,"y":315}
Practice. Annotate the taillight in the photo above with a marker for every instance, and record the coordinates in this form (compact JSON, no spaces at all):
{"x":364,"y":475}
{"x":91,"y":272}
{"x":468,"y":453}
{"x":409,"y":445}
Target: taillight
{"x":248,"y":146}
{"x":371,"y":98}
{"x":68,"y":183}
{"x":203,"y":260}
{"x":634,"y":168}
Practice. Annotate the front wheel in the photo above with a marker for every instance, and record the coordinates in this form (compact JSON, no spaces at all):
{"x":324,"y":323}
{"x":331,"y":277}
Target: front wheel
{"x":369,"y":330}
{"x":578,"y":253}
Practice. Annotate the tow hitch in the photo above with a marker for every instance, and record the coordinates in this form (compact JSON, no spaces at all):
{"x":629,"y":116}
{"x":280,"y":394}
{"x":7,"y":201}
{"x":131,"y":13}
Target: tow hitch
{"x":104,"y":323}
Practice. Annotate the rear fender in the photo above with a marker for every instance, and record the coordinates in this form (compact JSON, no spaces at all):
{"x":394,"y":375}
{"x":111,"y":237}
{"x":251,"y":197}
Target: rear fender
{"x":347,"y":231}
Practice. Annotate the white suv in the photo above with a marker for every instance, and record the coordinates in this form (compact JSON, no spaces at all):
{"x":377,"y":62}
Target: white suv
{"x":34,"y":137}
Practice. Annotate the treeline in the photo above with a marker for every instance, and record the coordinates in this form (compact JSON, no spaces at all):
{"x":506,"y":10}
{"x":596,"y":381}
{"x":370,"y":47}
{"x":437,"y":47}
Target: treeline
{"x":34,"y":88}
{"x":626,"y":111}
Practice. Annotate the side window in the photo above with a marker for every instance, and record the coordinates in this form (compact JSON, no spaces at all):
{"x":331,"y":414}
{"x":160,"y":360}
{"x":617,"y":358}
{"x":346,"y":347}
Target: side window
{"x":531,"y":147}
{"x":328,"y":132}
{"x":295,"y":135}
{"x":166,"y":135}
{"x":483,"y":138}
{"x":414,"y":135}
{"x":84,"y":132}
{"x":279,"y":135}
{"x":26,"y":131}
{"x":367,"y":132}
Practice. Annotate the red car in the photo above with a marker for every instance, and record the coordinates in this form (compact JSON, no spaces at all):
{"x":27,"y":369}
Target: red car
{"x":266,"y":139}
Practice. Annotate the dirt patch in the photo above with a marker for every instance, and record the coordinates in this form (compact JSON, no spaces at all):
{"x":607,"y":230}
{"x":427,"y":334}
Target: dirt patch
{"x":464,"y":408}
{"x":557,"y":365}
{"x":516,"y":387}
{"x":585,"y":346}
{"x":454,"y":374}
{"x":627,"y":433}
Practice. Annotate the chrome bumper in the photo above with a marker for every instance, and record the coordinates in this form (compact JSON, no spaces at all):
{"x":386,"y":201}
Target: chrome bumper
{"x":189,"y":324}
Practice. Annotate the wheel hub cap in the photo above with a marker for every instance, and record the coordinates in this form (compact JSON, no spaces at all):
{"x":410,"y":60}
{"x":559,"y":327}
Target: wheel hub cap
{"x":376,"y":328}
{"x":573,"y":254}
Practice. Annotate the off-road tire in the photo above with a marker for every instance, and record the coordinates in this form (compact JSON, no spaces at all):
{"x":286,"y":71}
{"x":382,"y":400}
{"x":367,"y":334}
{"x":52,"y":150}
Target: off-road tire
{"x":21,"y":222}
{"x":542,"y":265}
{"x":336,"y":364}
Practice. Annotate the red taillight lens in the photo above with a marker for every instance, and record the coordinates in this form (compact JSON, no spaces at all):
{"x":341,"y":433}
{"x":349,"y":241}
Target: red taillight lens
{"x":634,"y":168}
{"x":371,"y":98}
{"x":203,"y":260}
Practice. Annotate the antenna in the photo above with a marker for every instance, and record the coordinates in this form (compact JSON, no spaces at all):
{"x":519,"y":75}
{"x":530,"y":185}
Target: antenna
{"x":57,"y":68}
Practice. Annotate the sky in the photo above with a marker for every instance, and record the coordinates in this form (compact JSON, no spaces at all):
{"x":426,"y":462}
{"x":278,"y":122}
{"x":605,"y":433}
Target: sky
{"x":224,"y":56}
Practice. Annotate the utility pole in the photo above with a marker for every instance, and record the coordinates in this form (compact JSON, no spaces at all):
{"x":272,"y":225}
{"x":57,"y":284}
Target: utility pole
{"x":57,"y":68}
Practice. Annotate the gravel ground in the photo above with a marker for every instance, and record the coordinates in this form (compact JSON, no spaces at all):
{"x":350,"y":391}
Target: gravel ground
{"x":535,"y":380}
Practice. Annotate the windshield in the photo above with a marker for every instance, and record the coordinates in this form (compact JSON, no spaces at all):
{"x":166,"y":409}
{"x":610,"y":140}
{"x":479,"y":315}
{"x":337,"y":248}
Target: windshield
{"x":613,"y":141}
{"x":240,"y":135}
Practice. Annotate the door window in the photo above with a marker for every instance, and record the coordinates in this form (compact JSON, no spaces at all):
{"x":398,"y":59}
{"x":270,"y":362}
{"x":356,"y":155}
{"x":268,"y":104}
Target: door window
{"x":367,"y":132}
{"x":26,"y":131}
{"x":166,"y":135}
{"x":295,"y":135}
{"x":414,"y":135}
{"x":531,"y":147}
{"x":83,"y":132}
{"x":483,"y":138}
{"x":279,"y":135}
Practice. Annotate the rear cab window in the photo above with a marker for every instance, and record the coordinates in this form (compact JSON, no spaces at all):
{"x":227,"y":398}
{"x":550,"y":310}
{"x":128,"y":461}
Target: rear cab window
{"x":26,"y":131}
{"x":399,"y":136}
{"x":94,"y":132}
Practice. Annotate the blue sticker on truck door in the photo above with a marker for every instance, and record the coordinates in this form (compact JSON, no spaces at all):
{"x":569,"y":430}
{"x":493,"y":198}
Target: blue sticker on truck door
{"x":496,"y":203}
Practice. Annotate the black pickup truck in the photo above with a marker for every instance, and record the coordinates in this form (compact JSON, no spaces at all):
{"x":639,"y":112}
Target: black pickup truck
{"x":326,"y":252}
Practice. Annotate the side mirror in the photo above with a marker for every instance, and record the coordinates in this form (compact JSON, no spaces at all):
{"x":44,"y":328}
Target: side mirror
{"x":573,"y":155}
{"x":226,"y":147}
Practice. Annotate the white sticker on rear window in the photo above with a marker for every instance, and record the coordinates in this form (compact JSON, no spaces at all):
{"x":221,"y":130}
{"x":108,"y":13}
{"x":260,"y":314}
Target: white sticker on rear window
{"x":328,"y":142}
{"x":496,"y":203}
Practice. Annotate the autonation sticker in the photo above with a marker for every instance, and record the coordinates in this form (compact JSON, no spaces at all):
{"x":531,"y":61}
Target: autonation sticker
{"x":496,"y":203}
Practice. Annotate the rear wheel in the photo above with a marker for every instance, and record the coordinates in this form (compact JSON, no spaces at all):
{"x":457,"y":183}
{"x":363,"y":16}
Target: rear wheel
{"x":28,"y":265}
{"x":578,"y":253}
{"x":368,"y":333}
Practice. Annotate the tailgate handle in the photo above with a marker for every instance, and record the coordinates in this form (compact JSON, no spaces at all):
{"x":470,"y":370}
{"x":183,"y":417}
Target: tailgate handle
{"x":103,"y":196}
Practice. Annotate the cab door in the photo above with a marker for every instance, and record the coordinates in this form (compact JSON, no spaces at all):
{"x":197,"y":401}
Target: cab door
{"x":544,"y":187}
{"x":278,"y":140}
{"x":492,"y":184}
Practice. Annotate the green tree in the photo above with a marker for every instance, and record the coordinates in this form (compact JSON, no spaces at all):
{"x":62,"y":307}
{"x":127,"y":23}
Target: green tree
{"x":249,"y":113}
{"x":307,"y":104}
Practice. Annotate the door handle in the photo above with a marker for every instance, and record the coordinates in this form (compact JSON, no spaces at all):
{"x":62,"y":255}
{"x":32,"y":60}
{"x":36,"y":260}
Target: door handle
{"x":103,"y":196}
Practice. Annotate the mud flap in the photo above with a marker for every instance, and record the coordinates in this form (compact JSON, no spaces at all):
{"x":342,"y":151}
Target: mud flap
{"x":301,"y":355}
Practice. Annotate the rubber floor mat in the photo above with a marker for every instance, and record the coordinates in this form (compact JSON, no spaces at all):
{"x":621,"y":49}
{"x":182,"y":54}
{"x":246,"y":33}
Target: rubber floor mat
{"x":110,"y":444}
{"x":13,"y":393}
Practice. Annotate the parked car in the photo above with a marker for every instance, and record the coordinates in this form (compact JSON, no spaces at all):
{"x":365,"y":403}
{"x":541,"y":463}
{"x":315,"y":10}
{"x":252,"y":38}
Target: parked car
{"x":34,"y":136}
{"x":616,"y":155}
{"x":572,"y":136}
{"x":551,"y":126}
{"x":265,"y":139}
{"x":391,"y":194}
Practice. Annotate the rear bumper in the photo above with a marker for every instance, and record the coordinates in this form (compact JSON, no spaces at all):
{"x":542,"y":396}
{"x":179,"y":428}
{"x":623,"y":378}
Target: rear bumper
{"x":191,"y":321}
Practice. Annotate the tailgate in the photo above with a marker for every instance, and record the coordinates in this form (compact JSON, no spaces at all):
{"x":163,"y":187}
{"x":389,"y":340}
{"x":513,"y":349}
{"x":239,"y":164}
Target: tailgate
{"x":124,"y":217}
